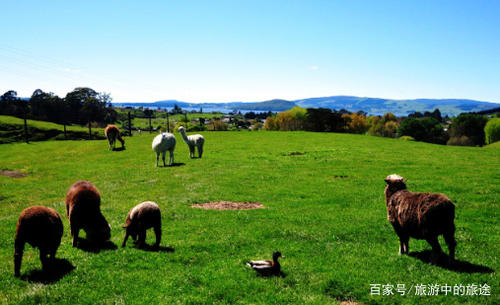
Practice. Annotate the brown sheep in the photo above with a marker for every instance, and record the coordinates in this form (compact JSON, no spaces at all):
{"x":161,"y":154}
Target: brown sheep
{"x":42,"y":228}
{"x":142,"y":217}
{"x":83,"y":210}
{"x":112,"y":132}
{"x":419,"y":215}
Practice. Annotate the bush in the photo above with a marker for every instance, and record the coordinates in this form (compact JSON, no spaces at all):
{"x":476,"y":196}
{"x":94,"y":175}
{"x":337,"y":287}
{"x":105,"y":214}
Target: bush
{"x":469,"y":125}
{"x":386,"y":126}
{"x":492,"y":131}
{"x":356,"y":123}
{"x":460,"y":141}
{"x":407,"y":138}
{"x":426,"y":129}
{"x":270,"y":123}
{"x":217,"y":125}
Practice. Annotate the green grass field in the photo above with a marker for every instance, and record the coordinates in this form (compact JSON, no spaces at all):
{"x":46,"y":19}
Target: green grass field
{"x":333,"y":231}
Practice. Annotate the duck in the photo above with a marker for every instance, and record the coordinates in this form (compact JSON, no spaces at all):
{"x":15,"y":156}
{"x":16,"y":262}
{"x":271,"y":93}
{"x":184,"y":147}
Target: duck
{"x":267,"y":267}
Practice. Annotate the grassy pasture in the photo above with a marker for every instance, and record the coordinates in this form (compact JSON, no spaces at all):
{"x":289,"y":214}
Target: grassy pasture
{"x":332,"y":229}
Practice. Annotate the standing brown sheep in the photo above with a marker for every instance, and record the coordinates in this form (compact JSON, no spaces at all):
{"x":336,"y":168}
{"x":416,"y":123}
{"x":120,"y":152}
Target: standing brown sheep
{"x":112,"y":132}
{"x":83,"y":210}
{"x":42,"y":228}
{"x":419,"y":215}
{"x":142,"y":217}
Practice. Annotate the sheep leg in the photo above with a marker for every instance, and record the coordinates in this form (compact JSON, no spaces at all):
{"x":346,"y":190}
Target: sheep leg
{"x":74,"y":232}
{"x":157,"y":229}
{"x":451,"y":243}
{"x":436,"y":248}
{"x":18,"y":256}
{"x":125,"y":239}
{"x":200,"y":151}
{"x":142,"y":238}
{"x":171,"y":157}
{"x":157,"y":158}
{"x":191,"y":151}
{"x":163,"y":158}
{"x":403,"y":245}
{"x":43,"y":259}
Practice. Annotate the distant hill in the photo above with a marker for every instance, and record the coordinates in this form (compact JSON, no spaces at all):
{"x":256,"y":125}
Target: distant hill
{"x":451,"y":107}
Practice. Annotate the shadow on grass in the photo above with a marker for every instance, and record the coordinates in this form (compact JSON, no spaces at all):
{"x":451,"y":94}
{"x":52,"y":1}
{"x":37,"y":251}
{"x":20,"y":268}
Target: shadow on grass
{"x":87,"y":246}
{"x":280,"y":274}
{"x":156,"y":249}
{"x":55,"y":270}
{"x":174,"y":165}
{"x":119,"y":148}
{"x":455,"y":265}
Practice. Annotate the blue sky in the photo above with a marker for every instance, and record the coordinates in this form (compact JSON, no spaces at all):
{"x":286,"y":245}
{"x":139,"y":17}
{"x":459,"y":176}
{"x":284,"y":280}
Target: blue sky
{"x":221,"y":51}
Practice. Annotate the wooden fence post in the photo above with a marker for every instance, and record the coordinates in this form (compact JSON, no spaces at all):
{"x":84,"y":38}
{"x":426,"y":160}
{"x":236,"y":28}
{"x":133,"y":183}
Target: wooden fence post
{"x":168,"y":123}
{"x":25,"y":128}
{"x":129,"y":124}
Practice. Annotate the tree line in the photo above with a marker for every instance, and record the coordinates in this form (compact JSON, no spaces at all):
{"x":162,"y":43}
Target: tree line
{"x":467,"y":129}
{"x":80,"y":106}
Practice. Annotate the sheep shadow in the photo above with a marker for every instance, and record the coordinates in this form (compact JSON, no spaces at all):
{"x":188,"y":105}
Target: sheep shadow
{"x":455,"y":265}
{"x":174,"y":165}
{"x":87,"y":246}
{"x":119,"y":148}
{"x":54,"y":271}
{"x":150,"y":248}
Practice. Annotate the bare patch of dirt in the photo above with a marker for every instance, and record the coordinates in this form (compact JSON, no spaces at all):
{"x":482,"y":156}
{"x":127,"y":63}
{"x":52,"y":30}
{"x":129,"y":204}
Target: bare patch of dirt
{"x":228,"y":205}
{"x":296,"y":153}
{"x":340,"y":177}
{"x":12,"y":174}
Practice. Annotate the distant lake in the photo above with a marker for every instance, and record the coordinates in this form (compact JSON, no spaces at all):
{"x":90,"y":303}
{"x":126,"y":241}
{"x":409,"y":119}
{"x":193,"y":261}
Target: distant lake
{"x":205,"y":110}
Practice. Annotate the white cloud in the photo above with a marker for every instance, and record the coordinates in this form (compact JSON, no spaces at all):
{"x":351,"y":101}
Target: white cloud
{"x":314,"y":68}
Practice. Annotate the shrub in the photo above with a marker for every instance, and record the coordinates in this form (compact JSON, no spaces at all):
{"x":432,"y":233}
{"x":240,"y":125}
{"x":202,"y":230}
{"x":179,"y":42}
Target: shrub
{"x":270,"y":123}
{"x":217,"y":125}
{"x":386,"y":126}
{"x":407,"y":138}
{"x":492,"y":131}
{"x":460,"y":141}
{"x":469,"y":125}
{"x":426,"y":129}
{"x":356,"y":123}
{"x":323,"y":119}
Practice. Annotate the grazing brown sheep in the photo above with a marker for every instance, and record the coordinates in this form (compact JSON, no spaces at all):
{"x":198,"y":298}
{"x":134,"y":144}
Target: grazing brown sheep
{"x":142,"y":217}
{"x":42,"y":228}
{"x":113,"y":133}
{"x":83,"y":210}
{"x":419,"y":215}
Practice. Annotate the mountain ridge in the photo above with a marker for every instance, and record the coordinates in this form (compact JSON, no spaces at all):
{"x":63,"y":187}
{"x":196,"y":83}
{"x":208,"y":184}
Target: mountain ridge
{"x":450,"y":106}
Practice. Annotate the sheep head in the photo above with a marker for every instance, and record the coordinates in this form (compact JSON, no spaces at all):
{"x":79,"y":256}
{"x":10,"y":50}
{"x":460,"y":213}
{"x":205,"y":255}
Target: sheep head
{"x":394,"y":183}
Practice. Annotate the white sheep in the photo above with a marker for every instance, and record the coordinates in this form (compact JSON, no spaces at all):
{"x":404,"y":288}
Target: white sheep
{"x":193,"y":141}
{"x":161,"y":143}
